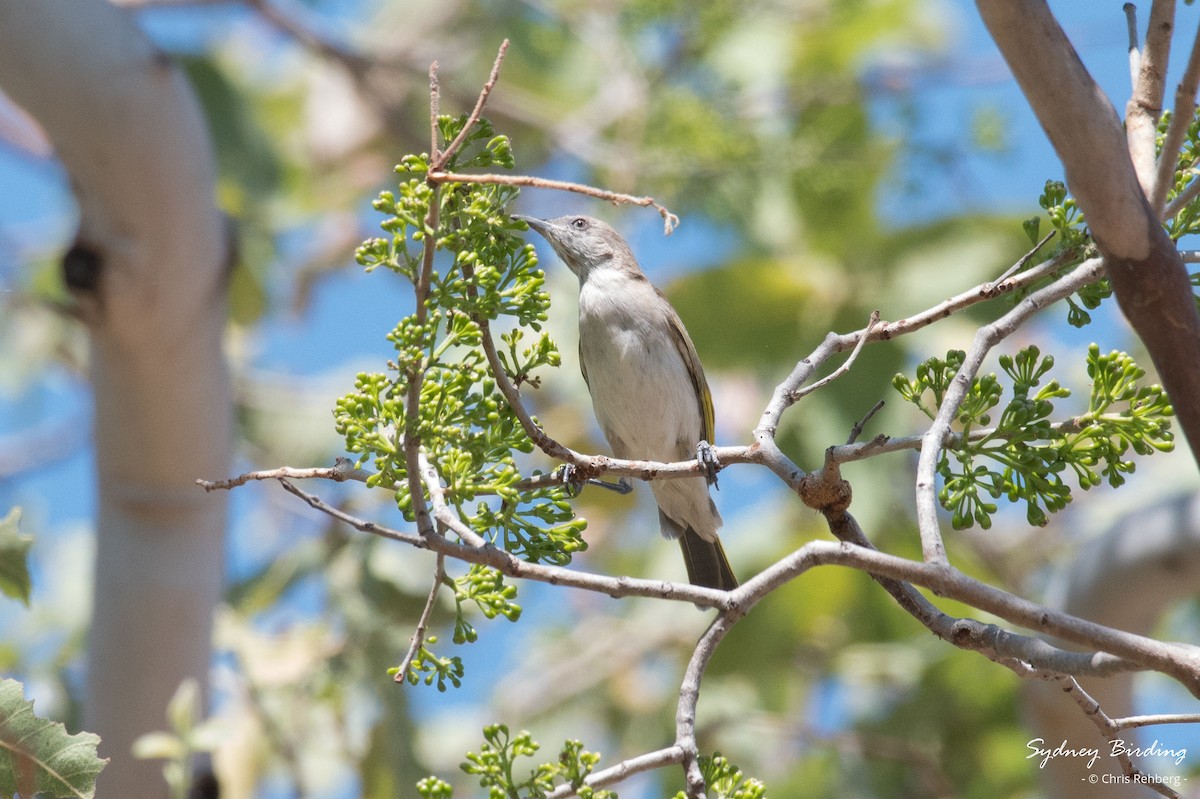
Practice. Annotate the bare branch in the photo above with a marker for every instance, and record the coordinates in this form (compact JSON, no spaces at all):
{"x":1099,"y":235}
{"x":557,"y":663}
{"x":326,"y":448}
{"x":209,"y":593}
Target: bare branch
{"x":1135,"y":55}
{"x":626,"y":768}
{"x":1183,"y":198}
{"x":417,"y":640}
{"x":886,"y":331}
{"x":1145,"y":103}
{"x":1180,"y":661}
{"x":1132,"y":722}
{"x":438,"y":162}
{"x":342,"y":470}
{"x":1092,"y":710}
{"x":1181,"y":119}
{"x":689,"y":698}
{"x":845,"y":367}
{"x":993,"y":642}
{"x":509,"y":564}
{"x":670,"y":220}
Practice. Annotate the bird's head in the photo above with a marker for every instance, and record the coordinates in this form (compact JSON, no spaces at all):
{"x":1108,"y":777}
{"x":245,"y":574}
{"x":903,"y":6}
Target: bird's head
{"x":583,"y":243}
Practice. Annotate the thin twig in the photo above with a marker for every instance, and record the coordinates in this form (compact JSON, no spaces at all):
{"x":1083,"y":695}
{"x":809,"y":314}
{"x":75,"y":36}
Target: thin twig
{"x":1183,"y":198}
{"x":438,"y":163}
{"x":374,"y":528}
{"x":1024,"y":260}
{"x":985,"y":291}
{"x":670,"y":220}
{"x":418,"y":637}
{"x":1135,"y":55}
{"x":623,"y":770}
{"x":844,"y":367}
{"x":1132,"y":722}
{"x":510,"y":391}
{"x":1093,"y":711}
{"x":342,"y":470}
{"x":857,"y":429}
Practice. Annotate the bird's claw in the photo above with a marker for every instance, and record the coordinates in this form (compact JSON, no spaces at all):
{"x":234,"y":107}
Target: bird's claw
{"x":620,"y":486}
{"x":566,"y":475}
{"x":706,"y":454}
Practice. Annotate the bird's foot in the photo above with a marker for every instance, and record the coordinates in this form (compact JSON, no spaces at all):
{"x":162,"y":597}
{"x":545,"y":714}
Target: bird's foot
{"x":620,"y":486}
{"x":566,"y":475}
{"x":706,"y":454}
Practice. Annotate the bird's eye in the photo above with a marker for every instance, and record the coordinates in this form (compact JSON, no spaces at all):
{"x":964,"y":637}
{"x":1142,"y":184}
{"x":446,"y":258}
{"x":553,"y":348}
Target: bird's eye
{"x":579,"y":223}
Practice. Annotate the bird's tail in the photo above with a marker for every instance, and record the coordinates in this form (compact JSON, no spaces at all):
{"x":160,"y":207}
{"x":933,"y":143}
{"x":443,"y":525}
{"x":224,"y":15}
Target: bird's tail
{"x":706,"y":562}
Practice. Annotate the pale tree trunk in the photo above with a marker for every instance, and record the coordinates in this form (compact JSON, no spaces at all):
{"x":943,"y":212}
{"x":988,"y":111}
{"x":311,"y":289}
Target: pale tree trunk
{"x":147,"y":271}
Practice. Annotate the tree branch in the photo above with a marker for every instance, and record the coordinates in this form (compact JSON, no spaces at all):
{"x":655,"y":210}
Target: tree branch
{"x":1145,"y":102}
{"x":438,"y":161}
{"x":1148,"y":277}
{"x":623,"y":770}
{"x":1181,"y":118}
{"x":1093,"y":712}
{"x":1135,"y":55}
{"x":993,"y":642}
{"x":1079,"y":121}
{"x":670,"y":220}
{"x":1177,"y":660}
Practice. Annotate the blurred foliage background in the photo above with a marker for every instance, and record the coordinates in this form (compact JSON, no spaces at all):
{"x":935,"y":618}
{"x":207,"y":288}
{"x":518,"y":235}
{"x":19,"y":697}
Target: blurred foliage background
{"x":772,"y":127}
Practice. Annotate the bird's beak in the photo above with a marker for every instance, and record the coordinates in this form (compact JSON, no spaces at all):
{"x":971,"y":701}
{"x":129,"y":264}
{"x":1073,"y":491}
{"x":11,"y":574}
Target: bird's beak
{"x":540,"y":225}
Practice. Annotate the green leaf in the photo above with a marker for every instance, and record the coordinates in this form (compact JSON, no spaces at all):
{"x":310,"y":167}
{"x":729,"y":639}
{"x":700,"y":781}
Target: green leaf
{"x":495,"y":765}
{"x":727,"y":780}
{"x":14,"y":558}
{"x":38,"y":756}
{"x":1032,"y":227}
{"x":1025,"y":456}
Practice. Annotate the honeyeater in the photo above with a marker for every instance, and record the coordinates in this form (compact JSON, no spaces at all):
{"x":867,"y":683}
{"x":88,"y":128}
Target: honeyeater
{"x":647,"y":385}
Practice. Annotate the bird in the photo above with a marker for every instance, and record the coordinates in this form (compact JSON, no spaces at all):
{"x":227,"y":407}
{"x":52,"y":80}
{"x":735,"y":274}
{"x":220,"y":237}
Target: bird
{"x":647,"y":385}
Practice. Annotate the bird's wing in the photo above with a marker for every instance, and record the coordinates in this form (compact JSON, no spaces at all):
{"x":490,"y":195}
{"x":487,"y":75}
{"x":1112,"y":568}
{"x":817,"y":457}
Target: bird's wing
{"x":687,"y":351}
{"x":582,"y":365}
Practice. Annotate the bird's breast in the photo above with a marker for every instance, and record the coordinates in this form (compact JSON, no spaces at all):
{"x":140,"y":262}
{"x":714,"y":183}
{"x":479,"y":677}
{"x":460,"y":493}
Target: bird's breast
{"x":642,"y":394}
